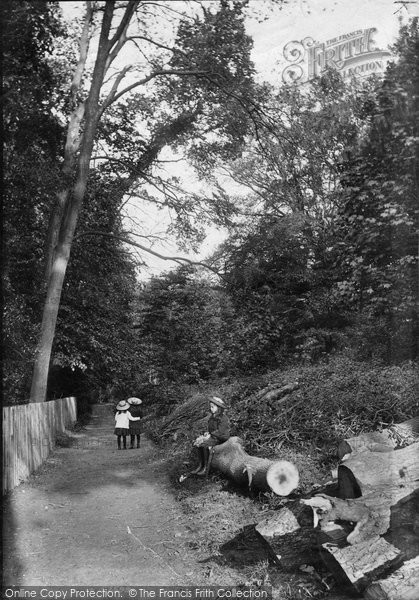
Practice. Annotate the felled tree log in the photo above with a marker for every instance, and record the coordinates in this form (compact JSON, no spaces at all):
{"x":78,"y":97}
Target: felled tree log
{"x":371,"y":513}
{"x":374,"y":441}
{"x":403,"y":584}
{"x":282,"y":522}
{"x":365,"y":471}
{"x":401,"y":435}
{"x":291,"y":536}
{"x":232,"y":460}
{"x":357,"y":566}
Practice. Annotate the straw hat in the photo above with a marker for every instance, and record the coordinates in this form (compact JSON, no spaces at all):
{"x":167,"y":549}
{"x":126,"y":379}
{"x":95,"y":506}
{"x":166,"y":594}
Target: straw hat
{"x":218,"y":402}
{"x":122,"y":405}
{"x":134,"y":401}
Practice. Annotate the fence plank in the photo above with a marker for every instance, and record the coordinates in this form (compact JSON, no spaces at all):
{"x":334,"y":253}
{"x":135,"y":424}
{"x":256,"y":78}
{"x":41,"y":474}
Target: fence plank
{"x":6,"y":450}
{"x":29,"y":432}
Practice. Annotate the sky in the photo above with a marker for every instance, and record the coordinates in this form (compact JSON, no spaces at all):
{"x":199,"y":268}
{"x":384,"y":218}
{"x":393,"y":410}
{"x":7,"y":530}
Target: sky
{"x":295,"y":20}
{"x":319,"y":19}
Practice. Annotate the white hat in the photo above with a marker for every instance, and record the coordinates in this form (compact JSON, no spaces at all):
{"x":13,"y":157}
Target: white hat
{"x":134,"y":400}
{"x":218,"y":402}
{"x":122,"y":405}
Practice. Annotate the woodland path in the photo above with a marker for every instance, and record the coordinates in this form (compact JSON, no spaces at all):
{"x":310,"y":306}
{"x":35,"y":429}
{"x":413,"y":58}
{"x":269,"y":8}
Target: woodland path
{"x":96,"y":515}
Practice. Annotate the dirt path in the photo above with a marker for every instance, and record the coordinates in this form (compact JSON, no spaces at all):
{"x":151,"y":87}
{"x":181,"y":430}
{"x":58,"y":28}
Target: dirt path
{"x":95,"y":515}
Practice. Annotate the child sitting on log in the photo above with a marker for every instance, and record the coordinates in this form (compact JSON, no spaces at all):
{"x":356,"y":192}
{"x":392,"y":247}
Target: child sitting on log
{"x":218,"y":432}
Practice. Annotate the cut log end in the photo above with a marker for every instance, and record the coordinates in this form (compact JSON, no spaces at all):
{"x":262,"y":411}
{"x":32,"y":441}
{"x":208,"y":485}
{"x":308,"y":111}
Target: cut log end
{"x":282,"y":477}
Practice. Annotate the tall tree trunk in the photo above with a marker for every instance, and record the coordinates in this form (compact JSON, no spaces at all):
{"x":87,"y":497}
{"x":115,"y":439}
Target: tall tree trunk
{"x":71,"y":144}
{"x":69,"y":220}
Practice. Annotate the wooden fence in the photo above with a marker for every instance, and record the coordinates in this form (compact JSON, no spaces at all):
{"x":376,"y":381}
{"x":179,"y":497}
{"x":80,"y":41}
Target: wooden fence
{"x":29,"y":432}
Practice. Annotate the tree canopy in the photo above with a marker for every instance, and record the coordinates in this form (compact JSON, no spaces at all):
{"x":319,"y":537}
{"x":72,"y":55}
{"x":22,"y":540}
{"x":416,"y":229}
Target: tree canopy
{"x":324,"y":253}
{"x":322,"y":249}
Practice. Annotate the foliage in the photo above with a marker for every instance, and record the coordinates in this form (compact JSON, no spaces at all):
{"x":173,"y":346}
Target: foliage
{"x":217,"y":47}
{"x":268,"y":282}
{"x":380,"y":217}
{"x":178,"y":325}
{"x":33,"y":137}
{"x":323,"y":255}
{"x":288,"y":272}
{"x":335,"y":400}
{"x":132,"y":134}
{"x":279,"y":268}
{"x":211,"y":91}
{"x":331,"y":247}
{"x":94,"y":346}
{"x":95,"y":333}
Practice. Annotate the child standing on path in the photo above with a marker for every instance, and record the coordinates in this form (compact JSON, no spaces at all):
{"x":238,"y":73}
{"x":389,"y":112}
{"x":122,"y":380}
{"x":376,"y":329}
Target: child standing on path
{"x":122,"y":420}
{"x":135,"y":426}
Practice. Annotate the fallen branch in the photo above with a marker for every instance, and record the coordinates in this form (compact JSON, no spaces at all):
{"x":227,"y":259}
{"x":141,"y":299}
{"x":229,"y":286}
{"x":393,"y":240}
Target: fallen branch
{"x":272,"y":394}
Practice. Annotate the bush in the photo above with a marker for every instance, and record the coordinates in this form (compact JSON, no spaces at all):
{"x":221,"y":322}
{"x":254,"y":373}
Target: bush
{"x":334,"y":401}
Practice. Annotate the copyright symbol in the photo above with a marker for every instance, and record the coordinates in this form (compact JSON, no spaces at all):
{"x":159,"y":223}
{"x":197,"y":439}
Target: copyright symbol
{"x":132,"y":593}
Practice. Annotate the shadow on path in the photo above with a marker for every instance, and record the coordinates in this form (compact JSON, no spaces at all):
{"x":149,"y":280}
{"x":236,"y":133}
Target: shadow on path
{"x":96,"y":515}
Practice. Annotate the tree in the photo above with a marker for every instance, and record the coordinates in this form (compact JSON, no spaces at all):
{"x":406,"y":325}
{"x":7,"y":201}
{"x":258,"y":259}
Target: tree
{"x":33,"y":140}
{"x":179,"y":326}
{"x":379,"y":218}
{"x":95,"y":341}
{"x":280,"y":267}
{"x":268,"y":280}
{"x":216,"y":69}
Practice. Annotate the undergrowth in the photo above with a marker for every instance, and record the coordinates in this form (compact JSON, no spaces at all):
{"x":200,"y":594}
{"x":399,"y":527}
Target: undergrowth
{"x":336,"y":400}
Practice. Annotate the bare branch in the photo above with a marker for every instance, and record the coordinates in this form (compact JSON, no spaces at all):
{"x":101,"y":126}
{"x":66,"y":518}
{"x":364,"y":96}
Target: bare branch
{"x":123,"y":25}
{"x":151,"y":41}
{"x":114,"y":89}
{"x":156,"y":74}
{"x":168,"y":8}
{"x":177,"y":259}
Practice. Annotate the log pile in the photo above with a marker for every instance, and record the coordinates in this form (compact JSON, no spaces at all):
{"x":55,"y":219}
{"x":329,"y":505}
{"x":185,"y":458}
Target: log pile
{"x":367,"y":533}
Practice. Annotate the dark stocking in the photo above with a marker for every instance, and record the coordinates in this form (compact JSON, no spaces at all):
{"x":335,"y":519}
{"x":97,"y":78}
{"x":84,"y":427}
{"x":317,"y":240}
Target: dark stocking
{"x":133,"y":436}
{"x":206,"y":456}
{"x":201,"y":457}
